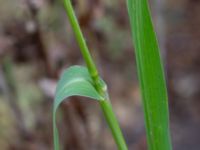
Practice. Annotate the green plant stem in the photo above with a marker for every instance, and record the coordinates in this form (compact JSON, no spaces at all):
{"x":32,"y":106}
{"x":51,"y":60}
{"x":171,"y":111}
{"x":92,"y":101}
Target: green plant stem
{"x":105,"y":104}
{"x":81,"y":41}
{"x":113,"y":124}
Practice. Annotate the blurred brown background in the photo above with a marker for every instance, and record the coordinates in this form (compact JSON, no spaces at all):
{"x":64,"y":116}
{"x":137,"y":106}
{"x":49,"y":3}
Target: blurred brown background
{"x":36,"y":44}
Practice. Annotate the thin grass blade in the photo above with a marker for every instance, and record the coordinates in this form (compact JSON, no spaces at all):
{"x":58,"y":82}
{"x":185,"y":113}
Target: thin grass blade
{"x":151,"y":76}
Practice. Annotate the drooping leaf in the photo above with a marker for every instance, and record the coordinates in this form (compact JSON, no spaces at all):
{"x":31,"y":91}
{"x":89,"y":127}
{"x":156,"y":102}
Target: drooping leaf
{"x":75,"y":81}
{"x":151,"y":76}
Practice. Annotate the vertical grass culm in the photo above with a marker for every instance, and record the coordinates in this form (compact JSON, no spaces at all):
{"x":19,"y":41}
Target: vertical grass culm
{"x":82,"y":81}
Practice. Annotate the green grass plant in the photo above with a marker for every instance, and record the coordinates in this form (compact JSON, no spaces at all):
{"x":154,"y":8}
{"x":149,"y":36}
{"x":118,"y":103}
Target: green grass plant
{"x":85,"y":81}
{"x":151,"y":76}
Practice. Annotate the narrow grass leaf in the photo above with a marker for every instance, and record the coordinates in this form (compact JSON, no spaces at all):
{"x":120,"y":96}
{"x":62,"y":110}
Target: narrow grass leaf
{"x":75,"y":81}
{"x":151,"y":76}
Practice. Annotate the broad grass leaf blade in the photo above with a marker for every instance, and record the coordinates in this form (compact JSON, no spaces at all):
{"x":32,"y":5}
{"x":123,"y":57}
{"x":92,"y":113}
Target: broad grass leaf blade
{"x":151,"y":76}
{"x":75,"y":81}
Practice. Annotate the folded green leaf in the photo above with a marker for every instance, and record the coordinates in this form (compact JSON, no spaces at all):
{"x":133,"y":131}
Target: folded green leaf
{"x":151,"y":76}
{"x":75,"y":81}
